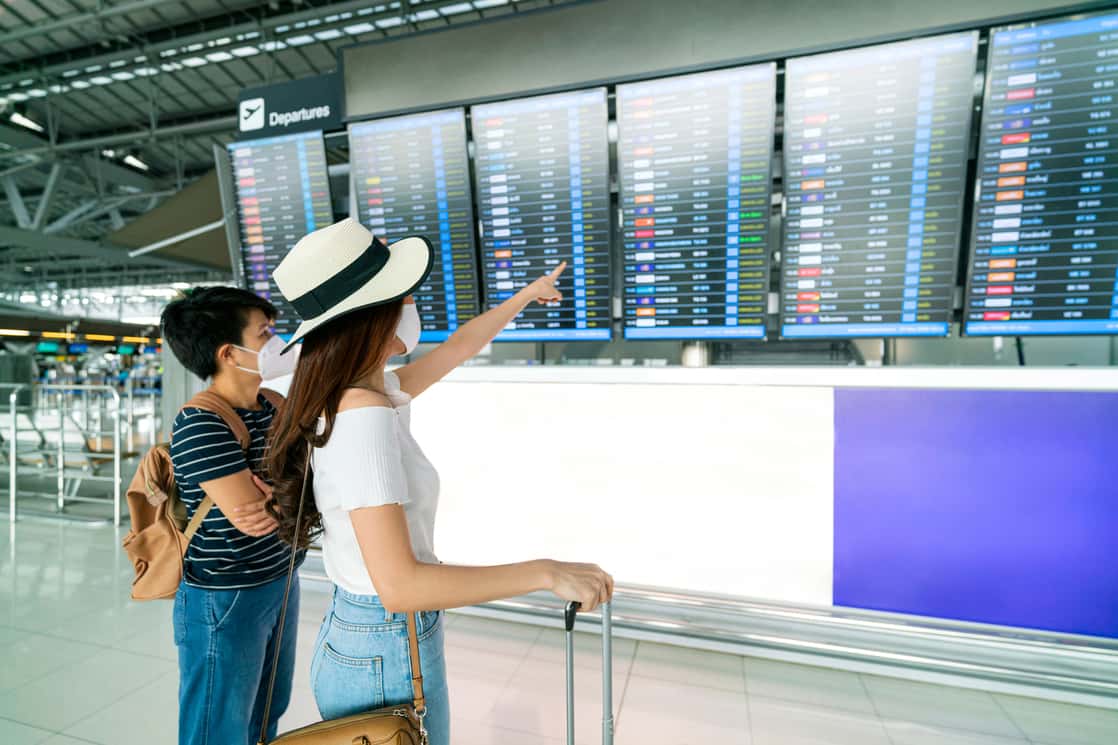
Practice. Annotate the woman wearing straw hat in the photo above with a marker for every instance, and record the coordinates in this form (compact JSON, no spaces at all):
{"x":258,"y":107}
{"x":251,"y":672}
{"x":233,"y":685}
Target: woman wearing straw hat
{"x":374,"y":492}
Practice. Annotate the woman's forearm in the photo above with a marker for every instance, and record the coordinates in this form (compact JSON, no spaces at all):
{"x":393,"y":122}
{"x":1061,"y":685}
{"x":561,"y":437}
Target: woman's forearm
{"x":481,"y":330}
{"x":442,"y":586}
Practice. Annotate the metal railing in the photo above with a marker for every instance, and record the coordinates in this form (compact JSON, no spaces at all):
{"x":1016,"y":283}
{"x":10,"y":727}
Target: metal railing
{"x":104,"y":419}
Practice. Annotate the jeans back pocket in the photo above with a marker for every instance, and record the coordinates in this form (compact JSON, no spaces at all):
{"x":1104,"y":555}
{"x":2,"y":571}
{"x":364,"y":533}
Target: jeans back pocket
{"x":345,"y":685}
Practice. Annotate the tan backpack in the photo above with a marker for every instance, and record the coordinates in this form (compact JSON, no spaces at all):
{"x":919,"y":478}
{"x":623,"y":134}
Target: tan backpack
{"x":159,"y":536}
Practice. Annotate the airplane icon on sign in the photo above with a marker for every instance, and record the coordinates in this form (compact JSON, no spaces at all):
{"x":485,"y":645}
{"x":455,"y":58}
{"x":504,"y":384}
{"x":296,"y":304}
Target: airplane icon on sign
{"x":252,"y":114}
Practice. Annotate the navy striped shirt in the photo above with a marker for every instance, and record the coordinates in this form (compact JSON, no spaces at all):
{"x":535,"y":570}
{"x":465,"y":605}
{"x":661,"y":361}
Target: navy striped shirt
{"x":203,"y":448}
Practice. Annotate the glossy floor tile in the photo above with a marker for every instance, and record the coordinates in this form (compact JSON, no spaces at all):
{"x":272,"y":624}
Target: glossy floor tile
{"x":80,"y":664}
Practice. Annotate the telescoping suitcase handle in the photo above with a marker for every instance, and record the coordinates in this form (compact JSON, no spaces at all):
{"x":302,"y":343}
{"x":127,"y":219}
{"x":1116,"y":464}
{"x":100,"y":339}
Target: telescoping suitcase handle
{"x":607,"y":673}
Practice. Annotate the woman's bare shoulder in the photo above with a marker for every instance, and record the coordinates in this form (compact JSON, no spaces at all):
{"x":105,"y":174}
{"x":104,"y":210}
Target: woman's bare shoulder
{"x":362,"y":398}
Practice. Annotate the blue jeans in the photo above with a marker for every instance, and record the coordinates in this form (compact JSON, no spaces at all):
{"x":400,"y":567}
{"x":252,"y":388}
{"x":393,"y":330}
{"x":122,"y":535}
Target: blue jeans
{"x":362,"y":662}
{"x":225,"y":640}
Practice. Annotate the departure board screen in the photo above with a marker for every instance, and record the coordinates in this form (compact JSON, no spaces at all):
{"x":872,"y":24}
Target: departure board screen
{"x":875,"y":156}
{"x":283,"y":193}
{"x":1044,"y":256}
{"x":542,"y":183}
{"x":695,"y":157}
{"x":410,"y":176}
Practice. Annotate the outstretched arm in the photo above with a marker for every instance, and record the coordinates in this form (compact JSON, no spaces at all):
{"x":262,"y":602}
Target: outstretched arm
{"x":472,"y":337}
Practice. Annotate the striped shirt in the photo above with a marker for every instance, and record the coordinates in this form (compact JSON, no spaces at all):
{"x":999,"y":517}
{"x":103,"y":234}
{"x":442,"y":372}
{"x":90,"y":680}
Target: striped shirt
{"x":203,"y":448}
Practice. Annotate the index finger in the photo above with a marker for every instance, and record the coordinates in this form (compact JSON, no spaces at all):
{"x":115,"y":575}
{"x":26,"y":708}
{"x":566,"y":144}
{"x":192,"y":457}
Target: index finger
{"x":554,"y":275}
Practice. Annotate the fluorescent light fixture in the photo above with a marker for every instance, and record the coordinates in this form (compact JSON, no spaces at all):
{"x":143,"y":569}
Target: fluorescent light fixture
{"x":141,"y":58}
{"x":314,"y":22}
{"x":331,"y":19}
{"x":135,"y":162}
{"x":271,"y":46}
{"x":71,"y":73}
{"x":168,"y":53}
{"x":180,"y":285}
{"x":479,"y":4}
{"x":118,"y":63}
{"x":455,"y":9}
{"x":101,"y":80}
{"x":57,"y":88}
{"x":23,"y":121}
{"x":221,"y":42}
{"x":364,"y":11}
{"x":36,"y":93}
{"x":79,"y":85}
{"x":108,"y":153}
{"x":300,"y":40}
{"x":99,"y":337}
{"x":282,"y":29}
{"x":14,"y":332}
{"x":390,"y":22}
{"x":328,"y":34}
{"x":170,"y":67}
{"x":219,"y":56}
{"x":360,"y":28}
{"x":245,"y":51}
{"x":93,"y":68}
{"x":147,"y":71}
{"x":194,"y":61}
{"x":123,"y":75}
{"x":194,"y":47}
{"x":426,"y":15}
{"x":17,"y":96}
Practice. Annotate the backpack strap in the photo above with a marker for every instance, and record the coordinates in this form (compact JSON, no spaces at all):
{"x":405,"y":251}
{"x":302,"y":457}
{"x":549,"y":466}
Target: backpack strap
{"x":210,"y":401}
{"x":275,"y":398}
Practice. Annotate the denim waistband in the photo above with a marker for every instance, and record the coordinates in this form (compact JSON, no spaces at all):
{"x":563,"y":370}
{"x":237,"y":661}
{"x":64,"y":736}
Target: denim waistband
{"x":372,"y":603}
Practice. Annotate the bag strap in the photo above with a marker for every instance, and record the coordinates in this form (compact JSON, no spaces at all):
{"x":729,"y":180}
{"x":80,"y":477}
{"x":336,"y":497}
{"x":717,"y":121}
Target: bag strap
{"x":197,"y":518}
{"x":413,"y":637}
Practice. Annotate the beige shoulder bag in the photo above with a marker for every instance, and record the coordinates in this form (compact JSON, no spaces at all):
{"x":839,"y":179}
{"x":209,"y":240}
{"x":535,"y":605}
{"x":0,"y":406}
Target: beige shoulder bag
{"x":392,"y":725}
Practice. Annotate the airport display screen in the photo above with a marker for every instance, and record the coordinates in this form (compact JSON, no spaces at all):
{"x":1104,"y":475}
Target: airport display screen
{"x":410,"y":176}
{"x":47,"y":347}
{"x":283,"y":193}
{"x":695,"y":154}
{"x":542,"y":184}
{"x":1044,"y":255}
{"x":875,"y":157}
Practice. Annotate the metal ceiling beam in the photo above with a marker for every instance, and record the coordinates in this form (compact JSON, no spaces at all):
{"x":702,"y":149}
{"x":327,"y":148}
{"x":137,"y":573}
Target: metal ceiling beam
{"x":95,"y":17}
{"x":117,"y":254}
{"x":46,"y":197}
{"x":138,"y":137}
{"x":264,"y":26}
{"x":15,"y":201}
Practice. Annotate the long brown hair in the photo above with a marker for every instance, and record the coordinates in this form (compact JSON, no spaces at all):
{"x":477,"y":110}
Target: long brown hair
{"x":335,"y":357}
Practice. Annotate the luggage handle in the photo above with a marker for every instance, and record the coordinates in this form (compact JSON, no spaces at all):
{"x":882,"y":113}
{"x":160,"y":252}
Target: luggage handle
{"x":607,"y":671}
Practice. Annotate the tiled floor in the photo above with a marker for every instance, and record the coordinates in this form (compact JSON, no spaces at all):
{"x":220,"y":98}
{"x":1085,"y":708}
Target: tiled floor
{"x":80,"y":663}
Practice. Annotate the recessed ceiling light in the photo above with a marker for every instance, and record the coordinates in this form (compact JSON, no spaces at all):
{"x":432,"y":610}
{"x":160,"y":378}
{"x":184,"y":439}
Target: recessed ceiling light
{"x":219,"y":56}
{"x":194,"y":61}
{"x":100,"y":80}
{"x":245,"y":51}
{"x":390,"y":22}
{"x":328,"y":34}
{"x":146,"y":71}
{"x":300,"y":40}
{"x":79,"y":85}
{"x":271,"y":46}
{"x":360,"y":28}
{"x":135,"y":162}
{"x":123,"y":75}
{"x":23,"y":121}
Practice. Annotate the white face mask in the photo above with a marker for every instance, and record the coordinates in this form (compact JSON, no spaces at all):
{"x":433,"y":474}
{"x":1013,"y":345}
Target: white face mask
{"x":407,"y":330}
{"x":269,"y":363}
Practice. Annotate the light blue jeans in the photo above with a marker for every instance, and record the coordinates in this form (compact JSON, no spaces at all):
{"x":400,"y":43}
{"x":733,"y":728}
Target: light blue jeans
{"x":362,"y":662}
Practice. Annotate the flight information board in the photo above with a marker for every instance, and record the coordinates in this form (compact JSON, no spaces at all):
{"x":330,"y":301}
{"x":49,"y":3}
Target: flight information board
{"x":875,"y":156}
{"x":410,"y":176}
{"x":283,"y":193}
{"x":542,"y":184}
{"x":1044,"y":256}
{"x":695,"y":156}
